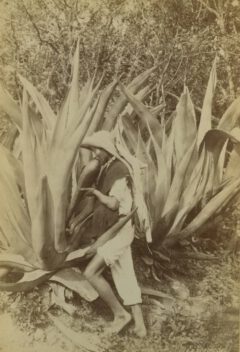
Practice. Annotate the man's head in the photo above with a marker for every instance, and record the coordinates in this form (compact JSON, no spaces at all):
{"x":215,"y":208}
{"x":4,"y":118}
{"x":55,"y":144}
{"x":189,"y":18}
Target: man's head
{"x":102,"y":155}
{"x":101,"y":144}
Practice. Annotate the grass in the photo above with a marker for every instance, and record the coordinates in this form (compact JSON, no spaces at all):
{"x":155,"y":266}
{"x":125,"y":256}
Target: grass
{"x":205,"y":320}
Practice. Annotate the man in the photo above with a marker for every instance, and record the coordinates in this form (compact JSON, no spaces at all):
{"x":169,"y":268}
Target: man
{"x":113,"y":200}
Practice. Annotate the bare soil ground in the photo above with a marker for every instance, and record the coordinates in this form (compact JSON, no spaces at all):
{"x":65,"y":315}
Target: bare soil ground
{"x":199,"y":313}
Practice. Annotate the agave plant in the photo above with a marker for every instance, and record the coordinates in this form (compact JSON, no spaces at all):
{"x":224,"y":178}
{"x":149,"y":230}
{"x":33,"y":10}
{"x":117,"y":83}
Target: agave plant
{"x":175,"y":165}
{"x":186,"y":166}
{"x":39,"y":187}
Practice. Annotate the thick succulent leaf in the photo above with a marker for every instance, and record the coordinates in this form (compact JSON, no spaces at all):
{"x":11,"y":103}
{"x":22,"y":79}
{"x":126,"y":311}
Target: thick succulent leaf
{"x":141,"y":95}
{"x":65,"y":148}
{"x":130,"y":134}
{"x":215,"y":142}
{"x":210,"y":209}
{"x":32,"y":163}
{"x":205,"y":123}
{"x":143,"y":153}
{"x":101,"y":108}
{"x":185,"y":129}
{"x":70,"y":110}
{"x":33,"y":277}
{"x":45,"y":231}
{"x":14,"y":222}
{"x":121,"y":102}
{"x":181,"y":217}
{"x":194,"y":180}
{"x":86,"y":112}
{"x":29,"y":281}
{"x":232,"y":168}
{"x":8,"y":139}
{"x":42,"y":105}
{"x":138,"y":81}
{"x":143,"y":113}
{"x":115,"y":110}
{"x":84,"y":91}
{"x":215,"y":135}
{"x":8,"y":104}
{"x":221,"y":163}
{"x":16,"y":166}
{"x":15,"y":261}
{"x":150,"y":178}
{"x":176,"y":186}
{"x":162,"y":178}
{"x":200,"y":184}
{"x":75,"y":281}
{"x":210,"y":181}
{"x":70,"y":124}
{"x":169,"y":152}
{"x":231,"y":117}
{"x":155,"y":111}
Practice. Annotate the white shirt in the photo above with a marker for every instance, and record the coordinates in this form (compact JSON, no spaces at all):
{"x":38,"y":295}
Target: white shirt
{"x":122,"y":193}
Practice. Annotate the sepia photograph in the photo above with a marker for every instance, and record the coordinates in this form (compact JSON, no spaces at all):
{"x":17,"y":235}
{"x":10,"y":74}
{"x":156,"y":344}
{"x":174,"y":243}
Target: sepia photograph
{"x":119,"y":175}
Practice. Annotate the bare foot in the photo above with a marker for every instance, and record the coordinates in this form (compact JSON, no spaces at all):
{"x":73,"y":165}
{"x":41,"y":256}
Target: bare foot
{"x":118,"y":324}
{"x":140,"y":331}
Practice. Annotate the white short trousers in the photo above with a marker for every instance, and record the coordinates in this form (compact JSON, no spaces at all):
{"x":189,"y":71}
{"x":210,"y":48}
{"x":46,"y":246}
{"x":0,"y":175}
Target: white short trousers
{"x":118,"y":256}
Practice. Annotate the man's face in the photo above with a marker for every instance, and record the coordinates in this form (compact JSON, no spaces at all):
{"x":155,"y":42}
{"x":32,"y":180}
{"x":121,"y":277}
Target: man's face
{"x":101,"y":154}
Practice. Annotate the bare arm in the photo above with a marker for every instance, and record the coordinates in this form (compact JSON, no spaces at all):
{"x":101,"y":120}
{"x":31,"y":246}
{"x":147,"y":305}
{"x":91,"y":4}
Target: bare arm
{"x":109,"y":201}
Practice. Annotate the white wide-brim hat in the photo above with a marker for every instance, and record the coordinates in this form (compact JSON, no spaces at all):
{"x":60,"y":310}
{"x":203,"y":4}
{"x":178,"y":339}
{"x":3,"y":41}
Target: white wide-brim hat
{"x":101,"y":140}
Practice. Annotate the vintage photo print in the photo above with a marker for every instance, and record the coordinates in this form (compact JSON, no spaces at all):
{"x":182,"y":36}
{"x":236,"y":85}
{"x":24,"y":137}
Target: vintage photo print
{"x":119,"y":175}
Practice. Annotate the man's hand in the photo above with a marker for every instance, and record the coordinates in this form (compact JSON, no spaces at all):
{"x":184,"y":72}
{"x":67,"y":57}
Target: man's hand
{"x":89,"y":190}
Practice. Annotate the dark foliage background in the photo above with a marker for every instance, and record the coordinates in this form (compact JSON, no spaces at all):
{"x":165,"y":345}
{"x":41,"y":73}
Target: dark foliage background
{"x":122,"y":37}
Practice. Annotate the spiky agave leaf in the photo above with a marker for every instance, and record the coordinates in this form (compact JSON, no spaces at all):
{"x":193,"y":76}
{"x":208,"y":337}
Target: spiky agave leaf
{"x":231,"y":117}
{"x":149,"y":177}
{"x":48,"y":116}
{"x":101,"y":108}
{"x":121,"y":102}
{"x":206,"y":113}
{"x":16,"y":261}
{"x":214,"y":205}
{"x":185,"y":129}
{"x":8,"y":104}
{"x":216,"y":142}
{"x":14,"y":221}
{"x":34,"y":276}
{"x":232,"y":168}
{"x":143,"y":113}
{"x":130,"y":134}
{"x":141,"y":95}
{"x":162,"y":177}
{"x":176,"y":188}
{"x":64,"y":147}
{"x":43,"y":235}
{"x":197,"y":186}
{"x":33,"y":158}
{"x":76,"y":282}
{"x":27,"y":282}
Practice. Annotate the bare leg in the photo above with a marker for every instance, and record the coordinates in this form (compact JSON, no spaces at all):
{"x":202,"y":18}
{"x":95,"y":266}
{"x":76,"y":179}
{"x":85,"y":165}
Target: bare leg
{"x":140,"y":329}
{"x":93,"y":273}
